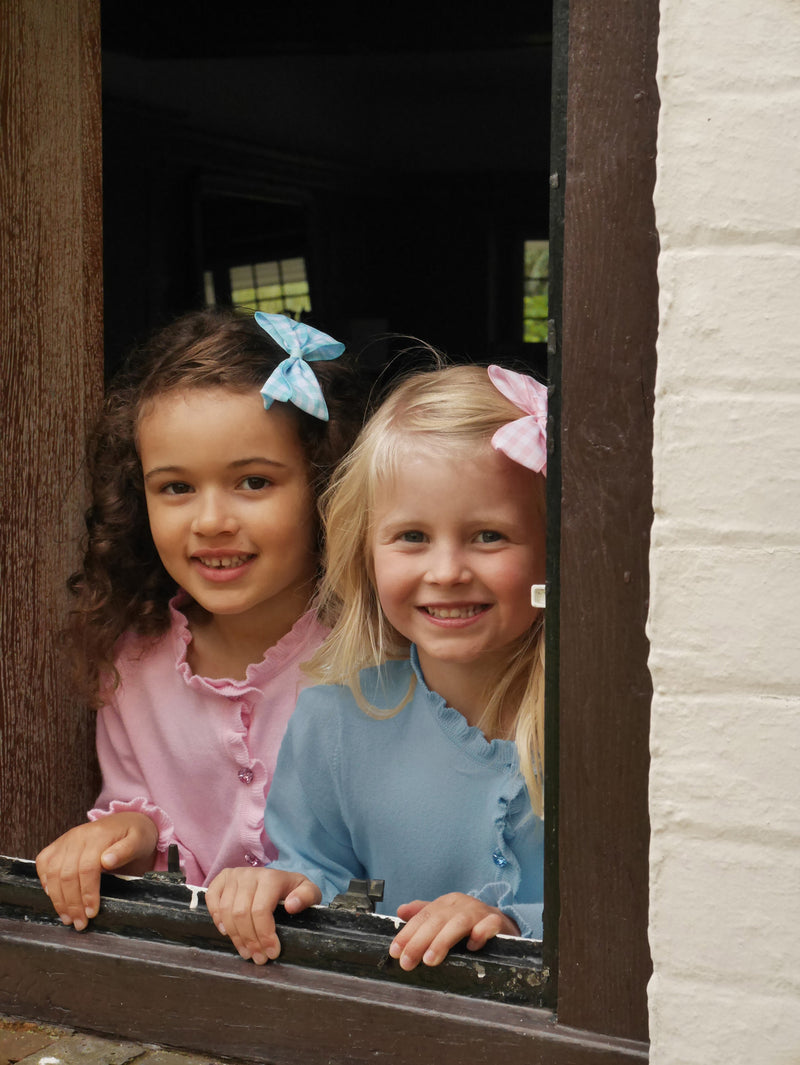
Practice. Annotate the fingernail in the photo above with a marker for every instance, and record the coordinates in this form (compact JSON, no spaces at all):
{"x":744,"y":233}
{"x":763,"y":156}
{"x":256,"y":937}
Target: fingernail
{"x":260,"y":958}
{"x":79,"y":924}
{"x":406,"y":963}
{"x":66,"y":919}
{"x":245,"y":953}
{"x":273,"y":952}
{"x":221,"y":928}
{"x":429,"y":958}
{"x":395,"y":950}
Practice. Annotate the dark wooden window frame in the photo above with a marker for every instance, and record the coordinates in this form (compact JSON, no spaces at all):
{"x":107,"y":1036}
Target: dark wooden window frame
{"x":602,"y":360}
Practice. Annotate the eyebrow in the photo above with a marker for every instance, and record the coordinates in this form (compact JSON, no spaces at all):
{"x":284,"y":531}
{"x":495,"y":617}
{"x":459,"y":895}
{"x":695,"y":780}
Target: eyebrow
{"x":253,"y":460}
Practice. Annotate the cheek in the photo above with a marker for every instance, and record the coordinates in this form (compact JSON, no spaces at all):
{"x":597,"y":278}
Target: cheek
{"x":160,"y":526}
{"x":514,"y":585}
{"x":294,"y":518}
{"x":390,"y":581}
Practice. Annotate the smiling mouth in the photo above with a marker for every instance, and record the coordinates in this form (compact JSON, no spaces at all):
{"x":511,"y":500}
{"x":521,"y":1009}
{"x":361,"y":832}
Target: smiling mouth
{"x":224,"y":563}
{"x":445,"y":613}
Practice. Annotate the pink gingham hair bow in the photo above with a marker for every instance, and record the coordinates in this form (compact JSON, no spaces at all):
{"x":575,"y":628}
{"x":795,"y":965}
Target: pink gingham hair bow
{"x":525,"y":439}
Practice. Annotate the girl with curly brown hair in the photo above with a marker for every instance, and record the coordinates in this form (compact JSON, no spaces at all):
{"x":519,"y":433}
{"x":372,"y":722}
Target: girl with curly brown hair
{"x":194,"y":606}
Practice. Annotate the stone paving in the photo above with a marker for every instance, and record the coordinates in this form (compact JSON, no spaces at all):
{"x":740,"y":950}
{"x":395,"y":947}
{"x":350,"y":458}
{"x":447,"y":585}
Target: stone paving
{"x":27,"y":1043}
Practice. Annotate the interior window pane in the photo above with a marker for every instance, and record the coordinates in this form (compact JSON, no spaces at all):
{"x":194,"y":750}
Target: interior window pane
{"x":208,"y":286}
{"x":277,"y":287}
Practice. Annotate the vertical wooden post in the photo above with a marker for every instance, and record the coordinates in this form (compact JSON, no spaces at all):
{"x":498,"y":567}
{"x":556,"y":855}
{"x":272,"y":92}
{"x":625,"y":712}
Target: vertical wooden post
{"x":51,"y":365}
{"x":607,"y":374}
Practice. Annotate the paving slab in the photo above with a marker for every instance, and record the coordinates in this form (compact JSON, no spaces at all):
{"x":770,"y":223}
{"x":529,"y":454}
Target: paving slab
{"x":86,"y":1050}
{"x":20,"y":1039}
{"x":176,"y":1057}
{"x":28,"y":1043}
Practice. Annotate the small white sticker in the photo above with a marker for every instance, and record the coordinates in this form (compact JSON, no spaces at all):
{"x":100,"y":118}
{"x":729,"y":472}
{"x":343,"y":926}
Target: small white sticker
{"x":538,"y":595}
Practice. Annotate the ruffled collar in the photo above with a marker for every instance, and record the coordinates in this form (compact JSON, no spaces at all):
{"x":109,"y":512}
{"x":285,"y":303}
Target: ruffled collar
{"x":454,"y":725}
{"x":258,"y":673}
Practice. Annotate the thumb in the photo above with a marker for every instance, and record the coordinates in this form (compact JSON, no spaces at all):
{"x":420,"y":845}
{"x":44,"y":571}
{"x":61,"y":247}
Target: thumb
{"x":120,"y":853}
{"x":301,"y":897}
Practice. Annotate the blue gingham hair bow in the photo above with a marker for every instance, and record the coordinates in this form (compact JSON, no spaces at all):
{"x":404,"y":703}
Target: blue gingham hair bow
{"x":293,"y":380}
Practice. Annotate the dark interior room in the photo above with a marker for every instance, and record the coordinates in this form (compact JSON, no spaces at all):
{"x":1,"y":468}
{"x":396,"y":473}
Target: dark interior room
{"x":380,"y":175}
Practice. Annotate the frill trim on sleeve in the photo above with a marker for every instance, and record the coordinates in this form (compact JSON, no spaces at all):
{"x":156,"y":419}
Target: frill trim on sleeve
{"x":141,"y":805}
{"x":527,"y":916}
{"x":166,"y":833}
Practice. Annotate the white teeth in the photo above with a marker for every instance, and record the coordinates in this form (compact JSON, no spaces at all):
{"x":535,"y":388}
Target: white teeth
{"x":224,"y":563}
{"x":453,"y":612}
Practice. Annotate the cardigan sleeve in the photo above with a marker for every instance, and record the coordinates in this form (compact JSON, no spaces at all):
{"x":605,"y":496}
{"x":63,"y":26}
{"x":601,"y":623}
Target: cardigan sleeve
{"x":304,"y":817}
{"x":125,"y":790}
{"x":526,"y":915}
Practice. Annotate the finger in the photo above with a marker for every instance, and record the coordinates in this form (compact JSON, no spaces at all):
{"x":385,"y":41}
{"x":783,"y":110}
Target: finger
{"x":489,"y":927}
{"x":432,"y":942}
{"x":266,"y":945}
{"x":300,"y":898}
{"x":51,"y":881}
{"x":42,"y":866}
{"x":232,"y":915}
{"x":246,"y":910}
{"x":412,"y":941}
{"x":88,"y":887}
{"x":69,"y":870}
{"x":411,"y":909}
{"x":66,"y":893}
{"x":406,"y":912}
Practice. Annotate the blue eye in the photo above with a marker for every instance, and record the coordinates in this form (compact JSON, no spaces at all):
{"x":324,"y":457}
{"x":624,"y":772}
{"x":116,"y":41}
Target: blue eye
{"x":413,"y":536}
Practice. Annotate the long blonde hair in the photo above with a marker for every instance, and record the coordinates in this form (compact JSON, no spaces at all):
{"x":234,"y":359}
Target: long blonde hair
{"x":455,"y":406}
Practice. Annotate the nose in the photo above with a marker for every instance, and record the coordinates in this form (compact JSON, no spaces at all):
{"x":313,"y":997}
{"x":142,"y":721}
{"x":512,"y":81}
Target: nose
{"x":214,"y":515}
{"x":447,"y":564}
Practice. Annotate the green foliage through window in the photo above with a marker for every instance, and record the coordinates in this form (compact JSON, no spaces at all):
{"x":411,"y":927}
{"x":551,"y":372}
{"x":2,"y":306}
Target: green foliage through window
{"x":537,"y":276}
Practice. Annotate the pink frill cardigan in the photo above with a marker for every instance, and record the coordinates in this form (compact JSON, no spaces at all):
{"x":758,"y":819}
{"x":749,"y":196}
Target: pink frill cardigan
{"x":197,"y":755}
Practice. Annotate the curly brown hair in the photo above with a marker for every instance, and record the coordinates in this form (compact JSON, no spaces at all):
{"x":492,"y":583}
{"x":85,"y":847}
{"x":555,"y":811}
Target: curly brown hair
{"x":122,"y":585}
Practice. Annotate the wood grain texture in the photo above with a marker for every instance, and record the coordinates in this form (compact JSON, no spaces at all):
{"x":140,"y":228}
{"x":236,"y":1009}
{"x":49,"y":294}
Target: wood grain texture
{"x":50,"y":341}
{"x":610,"y":317}
{"x":201,"y":1000}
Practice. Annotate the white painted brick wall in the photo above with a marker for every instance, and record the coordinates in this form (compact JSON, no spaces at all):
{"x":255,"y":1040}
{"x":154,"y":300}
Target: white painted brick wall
{"x":724,"y":621}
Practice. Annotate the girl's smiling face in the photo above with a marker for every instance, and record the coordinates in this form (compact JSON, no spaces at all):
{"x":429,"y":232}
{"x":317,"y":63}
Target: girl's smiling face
{"x":231,"y":511}
{"x":458,"y":539}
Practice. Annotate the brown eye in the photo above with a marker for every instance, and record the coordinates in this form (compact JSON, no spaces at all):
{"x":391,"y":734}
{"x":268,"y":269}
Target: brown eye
{"x":255,"y":484}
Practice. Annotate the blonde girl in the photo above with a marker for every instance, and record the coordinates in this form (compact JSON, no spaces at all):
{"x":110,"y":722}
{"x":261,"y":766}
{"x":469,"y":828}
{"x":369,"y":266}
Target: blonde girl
{"x":419,"y":758}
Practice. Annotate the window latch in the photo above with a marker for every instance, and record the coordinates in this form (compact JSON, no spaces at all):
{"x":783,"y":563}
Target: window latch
{"x":360,"y":896}
{"x":173,"y":874}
